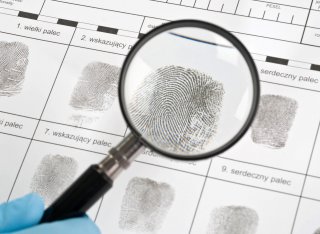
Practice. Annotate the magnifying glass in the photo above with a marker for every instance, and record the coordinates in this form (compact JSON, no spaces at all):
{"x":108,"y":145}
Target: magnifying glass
{"x":188,"y":90}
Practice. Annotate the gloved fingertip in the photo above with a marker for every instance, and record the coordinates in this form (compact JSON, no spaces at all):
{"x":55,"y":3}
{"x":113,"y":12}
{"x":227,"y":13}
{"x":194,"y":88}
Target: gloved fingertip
{"x":21,"y":213}
{"x":29,"y":199}
{"x":34,"y":198}
{"x":35,"y":206}
{"x":82,"y":225}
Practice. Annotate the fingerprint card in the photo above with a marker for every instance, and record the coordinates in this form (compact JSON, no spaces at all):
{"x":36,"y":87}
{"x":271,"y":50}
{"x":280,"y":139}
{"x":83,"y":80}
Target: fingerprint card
{"x":86,"y":92}
{"x":228,"y":208}
{"x":148,"y":199}
{"x":28,"y":68}
{"x":49,"y":169}
{"x":283,"y":132}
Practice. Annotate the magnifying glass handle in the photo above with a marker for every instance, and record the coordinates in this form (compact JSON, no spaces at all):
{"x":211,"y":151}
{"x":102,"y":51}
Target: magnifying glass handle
{"x":80,"y":196}
{"x":94,"y":182}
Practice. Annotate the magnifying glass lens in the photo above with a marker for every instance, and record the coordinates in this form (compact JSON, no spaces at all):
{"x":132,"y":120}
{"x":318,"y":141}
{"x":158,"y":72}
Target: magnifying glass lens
{"x":188,"y":91}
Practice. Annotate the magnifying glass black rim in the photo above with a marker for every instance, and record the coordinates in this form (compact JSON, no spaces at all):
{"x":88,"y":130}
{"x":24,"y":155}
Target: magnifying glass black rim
{"x":219,"y":31}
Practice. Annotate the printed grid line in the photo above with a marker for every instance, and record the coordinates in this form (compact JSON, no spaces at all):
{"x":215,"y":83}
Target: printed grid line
{"x":305,"y":179}
{"x":44,"y":2}
{"x":200,"y":197}
{"x":305,"y":26}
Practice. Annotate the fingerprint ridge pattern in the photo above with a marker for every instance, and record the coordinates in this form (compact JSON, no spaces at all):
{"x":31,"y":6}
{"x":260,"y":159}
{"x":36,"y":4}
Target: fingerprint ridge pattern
{"x":53,"y":175}
{"x":145,"y":205}
{"x":233,"y":220}
{"x":13,"y":65}
{"x":274,"y":120}
{"x":177,"y":108}
{"x":97,"y":87}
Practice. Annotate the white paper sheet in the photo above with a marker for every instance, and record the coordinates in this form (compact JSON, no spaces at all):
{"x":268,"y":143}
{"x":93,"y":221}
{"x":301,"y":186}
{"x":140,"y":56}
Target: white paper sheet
{"x":262,"y":185}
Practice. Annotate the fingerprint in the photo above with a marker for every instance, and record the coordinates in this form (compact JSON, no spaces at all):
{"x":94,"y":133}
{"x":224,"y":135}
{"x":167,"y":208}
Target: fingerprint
{"x":274,"y":120}
{"x":13,"y":65}
{"x":96,"y":89}
{"x":233,"y":220}
{"x":53,"y":175}
{"x":177,"y":108}
{"x":145,"y":205}
{"x":317,"y":231}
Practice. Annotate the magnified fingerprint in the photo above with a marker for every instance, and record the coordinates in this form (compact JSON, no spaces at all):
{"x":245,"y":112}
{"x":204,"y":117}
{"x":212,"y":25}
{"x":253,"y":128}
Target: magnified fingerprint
{"x":233,"y":220}
{"x":177,"y":108}
{"x":96,"y":89}
{"x":145,"y":205}
{"x":317,"y":231}
{"x":274,"y":120}
{"x":13,"y":65}
{"x":53,"y":175}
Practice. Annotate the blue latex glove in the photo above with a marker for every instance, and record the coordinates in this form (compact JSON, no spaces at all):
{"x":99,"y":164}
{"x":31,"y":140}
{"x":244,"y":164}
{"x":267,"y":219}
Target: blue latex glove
{"x":23,"y":215}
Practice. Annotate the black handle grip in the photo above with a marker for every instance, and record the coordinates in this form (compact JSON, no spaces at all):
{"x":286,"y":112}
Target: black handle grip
{"x":80,"y":196}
